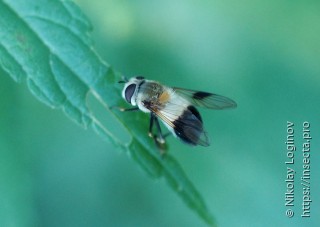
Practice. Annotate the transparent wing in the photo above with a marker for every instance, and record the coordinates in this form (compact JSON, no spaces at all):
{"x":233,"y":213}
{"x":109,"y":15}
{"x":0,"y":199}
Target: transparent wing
{"x":205,"y":99}
{"x":186,"y":123}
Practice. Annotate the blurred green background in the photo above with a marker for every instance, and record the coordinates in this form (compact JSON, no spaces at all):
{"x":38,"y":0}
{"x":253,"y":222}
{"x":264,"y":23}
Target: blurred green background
{"x":264,"y":55}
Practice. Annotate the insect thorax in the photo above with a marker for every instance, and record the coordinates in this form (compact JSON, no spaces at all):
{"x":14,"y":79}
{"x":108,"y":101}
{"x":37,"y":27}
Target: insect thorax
{"x":152,"y":96}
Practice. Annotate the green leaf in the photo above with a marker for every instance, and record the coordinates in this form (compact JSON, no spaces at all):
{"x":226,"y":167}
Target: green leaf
{"x":46,"y":43}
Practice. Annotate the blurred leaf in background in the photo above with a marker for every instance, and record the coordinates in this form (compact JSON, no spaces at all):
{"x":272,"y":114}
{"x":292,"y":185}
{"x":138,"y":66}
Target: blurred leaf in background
{"x":46,"y":44}
{"x":265,"y":55}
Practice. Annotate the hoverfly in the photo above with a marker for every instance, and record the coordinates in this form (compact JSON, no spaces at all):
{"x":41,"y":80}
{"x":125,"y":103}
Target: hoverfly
{"x":175,"y":107}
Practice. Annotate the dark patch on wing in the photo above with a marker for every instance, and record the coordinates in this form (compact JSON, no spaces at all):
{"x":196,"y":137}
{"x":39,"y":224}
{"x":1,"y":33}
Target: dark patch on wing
{"x":201,"y":95}
{"x":189,"y":128}
{"x":195,"y":112}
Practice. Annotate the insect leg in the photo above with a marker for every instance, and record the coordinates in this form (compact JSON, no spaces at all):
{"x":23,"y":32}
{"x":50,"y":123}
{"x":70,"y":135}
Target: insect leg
{"x":152,"y":117}
{"x":160,"y":139}
{"x":157,"y":138}
{"x":124,"y":109}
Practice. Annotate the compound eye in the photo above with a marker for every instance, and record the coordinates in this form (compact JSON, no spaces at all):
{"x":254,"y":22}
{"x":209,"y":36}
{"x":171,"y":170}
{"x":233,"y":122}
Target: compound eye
{"x":129,"y":92}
